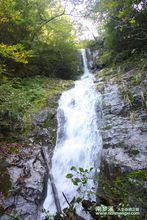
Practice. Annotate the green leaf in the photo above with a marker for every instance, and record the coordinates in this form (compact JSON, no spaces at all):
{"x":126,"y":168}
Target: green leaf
{"x":121,"y":29}
{"x":81,"y":169}
{"x":84,"y":181}
{"x":73,"y":168}
{"x":73,"y":200}
{"x":69,"y":175}
{"x":91,"y":168}
{"x":74,"y":182}
{"x":77,"y":180}
{"x":78,"y":200}
{"x":132,"y":21}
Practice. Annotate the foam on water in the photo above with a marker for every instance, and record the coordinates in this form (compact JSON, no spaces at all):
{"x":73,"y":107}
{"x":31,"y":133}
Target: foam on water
{"x":78,"y":138}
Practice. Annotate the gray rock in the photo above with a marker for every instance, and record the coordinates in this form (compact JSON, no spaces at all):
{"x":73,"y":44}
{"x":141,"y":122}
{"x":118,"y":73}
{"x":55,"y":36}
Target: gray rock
{"x":124,"y":142}
{"x":28,"y":170}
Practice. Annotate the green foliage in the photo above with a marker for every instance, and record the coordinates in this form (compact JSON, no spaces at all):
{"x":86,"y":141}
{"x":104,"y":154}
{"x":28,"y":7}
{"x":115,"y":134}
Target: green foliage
{"x":108,"y":127}
{"x":11,"y":213}
{"x":127,"y":190}
{"x":69,"y":175}
{"x":37,"y":38}
{"x":21,"y":96}
{"x":85,"y":43}
{"x":121,"y":144}
{"x":134,"y":152}
{"x":15,"y":52}
{"x":80,"y":178}
{"x":124,"y":29}
{"x":125,"y":24}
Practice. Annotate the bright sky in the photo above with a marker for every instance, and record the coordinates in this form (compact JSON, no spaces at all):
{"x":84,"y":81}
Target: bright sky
{"x":75,"y":9}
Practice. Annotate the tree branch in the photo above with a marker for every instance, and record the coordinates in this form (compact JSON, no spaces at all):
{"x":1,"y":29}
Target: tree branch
{"x":46,"y":22}
{"x":51,"y":19}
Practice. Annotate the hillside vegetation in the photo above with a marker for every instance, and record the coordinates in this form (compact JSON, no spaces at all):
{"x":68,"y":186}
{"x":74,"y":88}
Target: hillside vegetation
{"x":37,"y":43}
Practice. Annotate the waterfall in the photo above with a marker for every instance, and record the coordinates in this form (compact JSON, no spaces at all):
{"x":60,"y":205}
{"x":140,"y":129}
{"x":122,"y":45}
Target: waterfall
{"x":78,"y":137}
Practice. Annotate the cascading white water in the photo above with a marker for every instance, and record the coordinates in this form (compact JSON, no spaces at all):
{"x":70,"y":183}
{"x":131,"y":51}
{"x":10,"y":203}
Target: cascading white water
{"x":78,"y":139}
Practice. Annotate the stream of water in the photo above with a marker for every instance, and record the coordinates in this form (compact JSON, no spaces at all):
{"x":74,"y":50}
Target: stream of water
{"x":78,"y":137}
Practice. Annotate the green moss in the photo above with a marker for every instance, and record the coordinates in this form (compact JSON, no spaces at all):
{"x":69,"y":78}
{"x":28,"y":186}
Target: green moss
{"x":51,"y":122}
{"x":136,"y":78}
{"x":134,"y":152}
{"x":121,"y":145}
{"x":5,"y":183}
{"x":108,"y":127}
{"x":100,"y":86}
{"x":19,"y":97}
{"x":104,"y":72}
{"x":108,"y":117}
{"x":124,"y":190}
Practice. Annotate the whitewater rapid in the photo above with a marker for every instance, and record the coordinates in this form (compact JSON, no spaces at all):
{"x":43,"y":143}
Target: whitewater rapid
{"x":79,"y":140}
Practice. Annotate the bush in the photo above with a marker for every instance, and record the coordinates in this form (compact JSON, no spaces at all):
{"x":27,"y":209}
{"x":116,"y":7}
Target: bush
{"x":18,"y":97}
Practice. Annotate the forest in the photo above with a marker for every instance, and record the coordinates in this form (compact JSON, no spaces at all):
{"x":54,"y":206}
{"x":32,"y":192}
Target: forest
{"x":40,"y":58}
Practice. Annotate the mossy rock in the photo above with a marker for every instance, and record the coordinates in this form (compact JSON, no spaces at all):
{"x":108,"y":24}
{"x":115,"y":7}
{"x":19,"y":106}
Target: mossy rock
{"x":134,"y":152}
{"x":5,"y":183}
{"x":121,"y":145}
{"x":108,"y":127}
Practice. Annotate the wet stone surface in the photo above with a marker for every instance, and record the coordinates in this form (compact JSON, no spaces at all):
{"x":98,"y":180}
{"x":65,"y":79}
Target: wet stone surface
{"x":124,"y":135}
{"x":28,"y":169}
{"x":26,"y":172}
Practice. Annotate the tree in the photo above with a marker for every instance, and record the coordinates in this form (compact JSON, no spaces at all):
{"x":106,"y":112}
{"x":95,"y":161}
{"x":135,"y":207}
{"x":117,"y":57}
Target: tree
{"x":124,"y":24}
{"x":44,"y":34}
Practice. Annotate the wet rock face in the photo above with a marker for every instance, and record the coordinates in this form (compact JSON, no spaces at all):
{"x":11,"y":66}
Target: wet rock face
{"x":124,"y":133}
{"x":28,"y":170}
{"x":124,"y":138}
{"x":28,"y":174}
{"x":61,"y":126}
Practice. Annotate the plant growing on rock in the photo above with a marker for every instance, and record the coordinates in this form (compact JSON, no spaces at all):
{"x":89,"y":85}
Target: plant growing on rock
{"x":125,"y":190}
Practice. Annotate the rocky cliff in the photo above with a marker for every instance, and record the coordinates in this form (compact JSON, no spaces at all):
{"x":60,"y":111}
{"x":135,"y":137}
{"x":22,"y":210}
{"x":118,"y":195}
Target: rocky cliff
{"x":25,"y":174}
{"x":124,"y":133}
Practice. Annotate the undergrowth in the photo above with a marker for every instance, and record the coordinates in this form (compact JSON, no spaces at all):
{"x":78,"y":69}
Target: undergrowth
{"x":19,"y":97}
